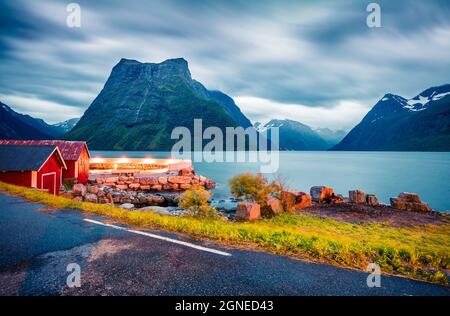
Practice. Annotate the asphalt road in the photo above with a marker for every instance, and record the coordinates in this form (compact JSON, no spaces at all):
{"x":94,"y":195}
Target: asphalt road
{"x":37,"y":244}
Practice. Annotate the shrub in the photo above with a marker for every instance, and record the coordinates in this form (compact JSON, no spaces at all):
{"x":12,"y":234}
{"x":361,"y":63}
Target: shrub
{"x":254,"y":188}
{"x":195,"y":202}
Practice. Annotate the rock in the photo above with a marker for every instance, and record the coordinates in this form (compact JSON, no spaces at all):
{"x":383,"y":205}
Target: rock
{"x":209,"y":184}
{"x":247,"y":211}
{"x":357,"y":196}
{"x":93,"y":189}
{"x":175,"y":186}
{"x":288,"y":199}
{"x":127,"y":206}
{"x":157,"y":187}
{"x":273,"y":207}
{"x":155,"y":200}
{"x":410,"y":197}
{"x":145,"y":187}
{"x":78,"y":198}
{"x":202,"y":178}
{"x":122,"y":186}
{"x":179,"y":179}
{"x":303,"y":200}
{"x":156,"y":209}
{"x":195,"y":182}
{"x":167,"y":186}
{"x":185,"y":186}
{"x":148,"y":181}
{"x":123,"y":179}
{"x":99,"y":180}
{"x":408,"y":201}
{"x":111,"y":180}
{"x":371,"y":200}
{"x":90,"y":197}
{"x":79,"y":189}
{"x":321,"y":193}
{"x":101,"y":193}
{"x":162,"y":180}
{"x":186,"y":172}
{"x":134,"y":186}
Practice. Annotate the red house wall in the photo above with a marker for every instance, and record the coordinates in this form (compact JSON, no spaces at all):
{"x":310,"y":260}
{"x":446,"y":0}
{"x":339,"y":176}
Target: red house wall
{"x":16,"y":177}
{"x":50,"y":166}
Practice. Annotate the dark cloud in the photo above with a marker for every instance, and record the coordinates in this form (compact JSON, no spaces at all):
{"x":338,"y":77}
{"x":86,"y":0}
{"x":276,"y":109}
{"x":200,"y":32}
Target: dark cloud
{"x":316,"y":54}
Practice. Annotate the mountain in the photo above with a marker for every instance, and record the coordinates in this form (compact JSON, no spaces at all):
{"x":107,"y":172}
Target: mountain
{"x":294,"y":135}
{"x":68,"y":125}
{"x":141,"y":103}
{"x":19,"y":126}
{"x":398,"y":124}
{"x":332,"y":137}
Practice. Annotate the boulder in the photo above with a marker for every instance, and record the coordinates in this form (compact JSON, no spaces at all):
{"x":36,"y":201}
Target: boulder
{"x":168,"y":186}
{"x":103,"y":200}
{"x":179,"y":179}
{"x":185,"y":186}
{"x":209,"y":184}
{"x":148,"y":181}
{"x":155,"y":200}
{"x":320,"y":193}
{"x":175,"y":186}
{"x":145,"y":187}
{"x":357,"y":196}
{"x":303,"y":200}
{"x":79,"y":189}
{"x":273,"y":207}
{"x":288,"y":199}
{"x":90,"y":197}
{"x":122,"y":186}
{"x":101,"y":193}
{"x":162,"y":180}
{"x":93,"y":189}
{"x":134,"y":186}
{"x":157,"y":187}
{"x":371,"y":200}
{"x":123,"y":179}
{"x":99,"y":180}
{"x":247,"y":211}
{"x":408,"y":202}
{"x":127,"y":206}
{"x":111,"y":180}
{"x":187,"y":172}
{"x":410,"y":197}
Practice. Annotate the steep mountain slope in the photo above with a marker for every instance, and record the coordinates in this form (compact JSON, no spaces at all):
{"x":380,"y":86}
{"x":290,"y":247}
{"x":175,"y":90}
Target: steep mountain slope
{"x":395,"y":123}
{"x":141,"y":103}
{"x":14,"y":125}
{"x":294,"y":135}
{"x":332,"y":137}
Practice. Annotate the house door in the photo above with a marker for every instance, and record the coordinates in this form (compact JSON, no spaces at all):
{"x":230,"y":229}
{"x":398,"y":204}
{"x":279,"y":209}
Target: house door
{"x":49,"y":182}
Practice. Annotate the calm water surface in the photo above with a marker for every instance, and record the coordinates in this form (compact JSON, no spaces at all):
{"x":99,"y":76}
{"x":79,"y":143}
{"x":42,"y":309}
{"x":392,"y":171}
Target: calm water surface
{"x":382,"y":173}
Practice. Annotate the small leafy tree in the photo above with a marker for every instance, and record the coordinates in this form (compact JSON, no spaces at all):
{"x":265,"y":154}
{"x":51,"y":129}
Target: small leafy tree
{"x":195,"y":202}
{"x":255,"y":188}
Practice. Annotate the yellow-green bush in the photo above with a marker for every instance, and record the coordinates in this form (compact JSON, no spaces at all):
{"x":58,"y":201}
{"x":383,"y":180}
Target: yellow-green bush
{"x":195,"y":202}
{"x":254,"y":188}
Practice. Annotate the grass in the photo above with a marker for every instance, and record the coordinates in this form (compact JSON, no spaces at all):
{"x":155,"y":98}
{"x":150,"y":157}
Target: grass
{"x":416,"y":252}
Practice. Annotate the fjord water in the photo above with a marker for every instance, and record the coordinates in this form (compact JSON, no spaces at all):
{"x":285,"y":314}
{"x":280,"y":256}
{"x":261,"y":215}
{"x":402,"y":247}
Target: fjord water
{"x":384,"y":174}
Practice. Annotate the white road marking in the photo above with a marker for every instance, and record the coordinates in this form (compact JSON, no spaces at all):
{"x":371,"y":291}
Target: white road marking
{"x":179,"y":242}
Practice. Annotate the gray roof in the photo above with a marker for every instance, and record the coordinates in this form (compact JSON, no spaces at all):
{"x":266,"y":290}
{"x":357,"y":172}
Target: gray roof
{"x":24,"y":158}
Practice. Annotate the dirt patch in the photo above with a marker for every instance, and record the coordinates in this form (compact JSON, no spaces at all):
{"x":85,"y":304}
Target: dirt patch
{"x":360,"y":213}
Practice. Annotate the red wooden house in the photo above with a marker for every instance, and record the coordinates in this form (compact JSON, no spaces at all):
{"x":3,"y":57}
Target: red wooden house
{"x":75,"y":154}
{"x":35,"y":166}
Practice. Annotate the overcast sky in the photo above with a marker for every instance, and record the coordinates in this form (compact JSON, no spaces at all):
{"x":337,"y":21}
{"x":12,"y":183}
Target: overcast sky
{"x":313,"y":61}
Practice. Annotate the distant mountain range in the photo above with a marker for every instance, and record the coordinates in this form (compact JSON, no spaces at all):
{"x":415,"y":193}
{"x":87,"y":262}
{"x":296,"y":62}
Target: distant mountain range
{"x":14,"y":125}
{"x":68,"y":125}
{"x":297,"y":136}
{"x":141,"y":103}
{"x":398,"y":124}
